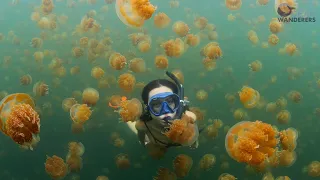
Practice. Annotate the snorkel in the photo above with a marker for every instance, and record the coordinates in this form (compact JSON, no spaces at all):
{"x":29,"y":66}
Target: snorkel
{"x":180,"y":94}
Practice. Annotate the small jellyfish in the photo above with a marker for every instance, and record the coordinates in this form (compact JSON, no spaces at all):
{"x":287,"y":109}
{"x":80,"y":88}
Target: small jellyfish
{"x":40,"y":89}
{"x":255,"y":66}
{"x":295,"y":96}
{"x":233,"y":4}
{"x":207,"y":162}
{"x":117,"y":61}
{"x":161,"y":20}
{"x":164,"y":174}
{"x":80,"y":113}
{"x":249,"y":97}
{"x":67,"y":103}
{"x":126,"y":82}
{"x":212,"y":50}
{"x":180,"y":28}
{"x":137,"y":65}
{"x":174,"y":47}
{"x":90,"y":96}
{"x":26,"y":80}
{"x":36,"y":43}
{"x":55,"y":167}
{"x":226,"y":176}
{"x":122,"y":161}
{"x":273,"y":39}
{"x":133,"y":13}
{"x":97,"y":72}
{"x":283,"y":117}
{"x":182,"y":165}
{"x":202,"y":95}
{"x":161,"y":62}
{"x":275,"y":26}
{"x":313,"y":169}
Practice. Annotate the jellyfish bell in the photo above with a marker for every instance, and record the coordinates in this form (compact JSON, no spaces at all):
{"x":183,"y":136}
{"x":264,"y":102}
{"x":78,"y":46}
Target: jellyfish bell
{"x":133,"y":13}
{"x":249,"y":97}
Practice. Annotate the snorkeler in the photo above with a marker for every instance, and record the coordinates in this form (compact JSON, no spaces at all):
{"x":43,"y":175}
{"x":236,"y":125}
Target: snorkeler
{"x":164,"y":102}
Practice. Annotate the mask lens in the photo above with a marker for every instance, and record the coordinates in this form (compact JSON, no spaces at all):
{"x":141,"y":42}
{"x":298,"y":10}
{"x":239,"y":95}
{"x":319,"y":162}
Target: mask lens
{"x":156,"y":104}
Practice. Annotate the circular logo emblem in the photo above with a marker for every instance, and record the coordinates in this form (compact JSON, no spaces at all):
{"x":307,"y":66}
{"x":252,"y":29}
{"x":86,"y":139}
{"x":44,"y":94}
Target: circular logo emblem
{"x":285,"y":10}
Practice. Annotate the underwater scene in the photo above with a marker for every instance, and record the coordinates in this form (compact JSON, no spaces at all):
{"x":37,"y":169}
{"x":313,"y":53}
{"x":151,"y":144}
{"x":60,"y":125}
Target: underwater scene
{"x":160,"y":89}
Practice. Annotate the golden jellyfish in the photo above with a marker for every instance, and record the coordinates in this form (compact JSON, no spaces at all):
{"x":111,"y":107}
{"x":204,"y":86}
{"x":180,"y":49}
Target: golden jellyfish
{"x":275,"y":26}
{"x":212,"y":50}
{"x":77,"y":128}
{"x":38,"y":56}
{"x":202,"y":95}
{"x":230,"y":98}
{"x":77,"y":52}
{"x":161,"y":62}
{"x":282,"y":103}
{"x":249,"y":97}
{"x":115,"y":100}
{"x":55,"y":167}
{"x":40,"y":89}
{"x":122,"y":161}
{"x":271,"y":107}
{"x":283,"y":117}
{"x":233,"y":4}
{"x":164,"y":174}
{"x":291,"y":49}
{"x":102,"y":178}
{"x":67,"y":103}
{"x":180,"y":28}
{"x":133,"y":13}
{"x":74,"y":163}
{"x":264,"y":45}
{"x":287,"y":158}
{"x":231,"y":17}
{"x":182,"y":131}
{"x":182,"y":165}
{"x":35,"y":16}
{"x":74,"y":70}
{"x":179,"y":75}
{"x":90,"y":96}
{"x":36,"y":43}
{"x":130,"y":110}
{"x":283,"y":178}
{"x":207,"y":162}
{"x":137,"y":65}
{"x":209,"y":64}
{"x":97,"y":72}
{"x":26,"y":80}
{"x":161,"y":20}
{"x":117,"y":61}
{"x":212,"y":35}
{"x":200,"y":22}
{"x":295,"y":96}
{"x":84,"y":41}
{"x":174,"y":4}
{"x":253,"y":37}
{"x":174,"y":47}
{"x":127,"y":82}
{"x":76,"y":148}
{"x":144,"y":46}
{"x":119,"y":142}
{"x":262,"y":2}
{"x":103,"y":83}
{"x":80,"y":113}
{"x":273,"y":39}
{"x":313,"y":169}
{"x":226,"y":176}
{"x":255,"y":66}
{"x":155,"y":151}
{"x":251,"y":142}
{"x":288,"y":139}
{"x":19,"y":120}
{"x":192,"y":40}
{"x":44,"y":23}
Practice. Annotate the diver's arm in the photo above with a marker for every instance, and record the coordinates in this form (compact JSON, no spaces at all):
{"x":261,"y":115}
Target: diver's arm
{"x":142,"y":136}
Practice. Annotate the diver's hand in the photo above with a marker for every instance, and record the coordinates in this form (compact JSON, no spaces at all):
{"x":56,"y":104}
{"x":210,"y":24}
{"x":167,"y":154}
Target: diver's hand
{"x":192,"y":115}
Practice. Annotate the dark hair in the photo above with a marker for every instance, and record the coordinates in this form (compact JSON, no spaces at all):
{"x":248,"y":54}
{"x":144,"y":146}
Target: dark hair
{"x":156,"y":84}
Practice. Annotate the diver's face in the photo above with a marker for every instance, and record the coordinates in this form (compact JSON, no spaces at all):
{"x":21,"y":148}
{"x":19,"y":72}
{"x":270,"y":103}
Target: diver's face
{"x":162,"y":89}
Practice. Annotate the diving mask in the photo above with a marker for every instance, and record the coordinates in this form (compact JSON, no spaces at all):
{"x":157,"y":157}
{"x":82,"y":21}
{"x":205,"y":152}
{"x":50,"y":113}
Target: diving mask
{"x":164,"y":103}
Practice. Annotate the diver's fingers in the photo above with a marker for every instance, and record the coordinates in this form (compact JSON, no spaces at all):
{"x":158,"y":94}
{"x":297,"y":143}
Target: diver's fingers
{"x":192,"y":115}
